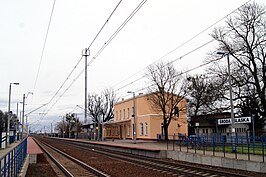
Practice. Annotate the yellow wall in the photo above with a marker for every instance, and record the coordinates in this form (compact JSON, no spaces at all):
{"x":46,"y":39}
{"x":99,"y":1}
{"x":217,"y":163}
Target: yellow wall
{"x":146,"y":116}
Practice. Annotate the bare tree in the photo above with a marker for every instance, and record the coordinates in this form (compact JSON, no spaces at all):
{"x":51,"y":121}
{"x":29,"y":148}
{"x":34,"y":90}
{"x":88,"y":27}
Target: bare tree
{"x":166,"y":91}
{"x":203,"y":93}
{"x":60,"y":127}
{"x":243,"y":38}
{"x":108,"y":100}
{"x":94,"y":107}
{"x":3,"y":121}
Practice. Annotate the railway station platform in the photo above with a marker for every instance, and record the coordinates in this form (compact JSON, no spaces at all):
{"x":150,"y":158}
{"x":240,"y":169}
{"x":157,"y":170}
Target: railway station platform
{"x":33,"y":150}
{"x":149,"y":148}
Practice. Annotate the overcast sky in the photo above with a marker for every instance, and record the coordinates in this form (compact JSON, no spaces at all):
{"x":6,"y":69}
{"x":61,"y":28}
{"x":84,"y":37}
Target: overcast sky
{"x":156,"y":29}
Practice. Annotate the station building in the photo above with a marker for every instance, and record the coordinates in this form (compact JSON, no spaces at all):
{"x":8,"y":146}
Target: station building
{"x":148,"y":122}
{"x":219,"y":124}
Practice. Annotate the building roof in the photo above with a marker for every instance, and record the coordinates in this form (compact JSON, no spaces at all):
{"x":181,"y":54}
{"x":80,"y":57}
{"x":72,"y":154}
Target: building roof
{"x":210,"y":116}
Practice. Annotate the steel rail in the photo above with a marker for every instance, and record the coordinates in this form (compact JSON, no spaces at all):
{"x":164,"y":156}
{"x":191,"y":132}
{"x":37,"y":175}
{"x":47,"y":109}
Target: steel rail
{"x":84,"y":165}
{"x":157,"y":163}
{"x":57,"y":163}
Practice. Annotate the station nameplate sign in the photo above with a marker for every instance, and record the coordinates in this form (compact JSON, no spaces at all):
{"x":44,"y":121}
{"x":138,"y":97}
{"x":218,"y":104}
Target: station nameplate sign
{"x":238,"y":120}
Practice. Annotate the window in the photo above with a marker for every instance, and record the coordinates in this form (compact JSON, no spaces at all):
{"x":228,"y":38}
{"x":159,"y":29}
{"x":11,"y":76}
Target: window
{"x":128,"y":113}
{"x":141,"y":129}
{"x":203,"y":130}
{"x":128,"y":130}
{"x":207,"y":131}
{"x":132,"y":111}
{"x":124,"y":114}
{"x":117,"y":130}
{"x":146,"y":128}
{"x":116,"y":115}
{"x":120,"y":115}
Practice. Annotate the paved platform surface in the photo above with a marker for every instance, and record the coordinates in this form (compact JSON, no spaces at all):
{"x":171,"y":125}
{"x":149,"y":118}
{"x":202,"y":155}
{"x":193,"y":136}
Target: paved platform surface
{"x":32,"y":147}
{"x":154,"y":145}
{"x":3,"y":152}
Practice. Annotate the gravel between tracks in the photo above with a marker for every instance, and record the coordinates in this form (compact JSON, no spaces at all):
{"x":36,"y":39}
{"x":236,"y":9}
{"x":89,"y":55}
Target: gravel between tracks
{"x":118,"y":168}
{"x":113,"y":167}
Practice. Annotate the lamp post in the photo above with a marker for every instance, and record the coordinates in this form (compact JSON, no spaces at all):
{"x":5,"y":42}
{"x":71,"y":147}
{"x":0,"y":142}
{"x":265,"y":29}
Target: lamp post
{"x":8,"y":112}
{"x":23,"y":111}
{"x":231,"y":101}
{"x":134,"y":115}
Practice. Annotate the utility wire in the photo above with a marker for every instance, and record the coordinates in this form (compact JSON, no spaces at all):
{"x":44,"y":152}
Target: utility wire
{"x":179,"y":58}
{"x":185,"y":72}
{"x":118,"y":30}
{"x":57,"y":92}
{"x":99,"y":51}
{"x":110,"y":39}
{"x":43,"y":48}
{"x":181,"y":45}
{"x":128,"y":84}
{"x":104,"y":24}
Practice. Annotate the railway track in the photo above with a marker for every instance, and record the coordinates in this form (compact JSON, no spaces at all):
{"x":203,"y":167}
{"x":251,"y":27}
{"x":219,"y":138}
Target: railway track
{"x":171,"y":168}
{"x":68,"y":165}
{"x":162,"y":166}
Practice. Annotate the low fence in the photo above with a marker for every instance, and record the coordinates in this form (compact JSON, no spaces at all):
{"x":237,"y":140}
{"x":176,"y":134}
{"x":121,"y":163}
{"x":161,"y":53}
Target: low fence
{"x":11,"y":163}
{"x":244,"y":145}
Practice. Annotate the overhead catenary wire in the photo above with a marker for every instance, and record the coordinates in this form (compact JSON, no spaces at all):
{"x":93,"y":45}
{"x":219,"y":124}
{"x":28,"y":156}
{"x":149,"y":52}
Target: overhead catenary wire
{"x":184,"y":72}
{"x":82,"y":56}
{"x":144,"y":88}
{"x":197,"y":48}
{"x":43,"y":47}
{"x":106,"y":45}
{"x":179,"y":58}
{"x":100,"y":50}
{"x":106,"y":22}
{"x":182,"y":44}
{"x":103,"y":47}
{"x":118,"y":30}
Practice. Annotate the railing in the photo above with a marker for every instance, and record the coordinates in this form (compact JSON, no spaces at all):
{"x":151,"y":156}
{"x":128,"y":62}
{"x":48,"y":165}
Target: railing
{"x":225,"y":146}
{"x":11,"y":163}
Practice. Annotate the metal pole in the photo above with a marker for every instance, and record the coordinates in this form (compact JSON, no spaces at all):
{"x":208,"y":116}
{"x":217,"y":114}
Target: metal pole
{"x":253,"y":133}
{"x":94,"y":130}
{"x":8,"y":116}
{"x":17,"y":109}
{"x":20,"y":124}
{"x":86,"y":66}
{"x":17,"y":124}
{"x":99,"y":130}
{"x":23,"y":107}
{"x":134,"y":104}
{"x":231,"y":105}
{"x":8,"y":113}
{"x":27,"y":130}
{"x":76,"y":126}
{"x":69,"y":130}
{"x":9,"y":98}
{"x":63,"y":126}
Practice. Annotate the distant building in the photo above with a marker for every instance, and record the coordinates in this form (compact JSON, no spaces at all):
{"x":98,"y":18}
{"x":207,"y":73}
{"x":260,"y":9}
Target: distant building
{"x":218,"y":124}
{"x":148,"y":122}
